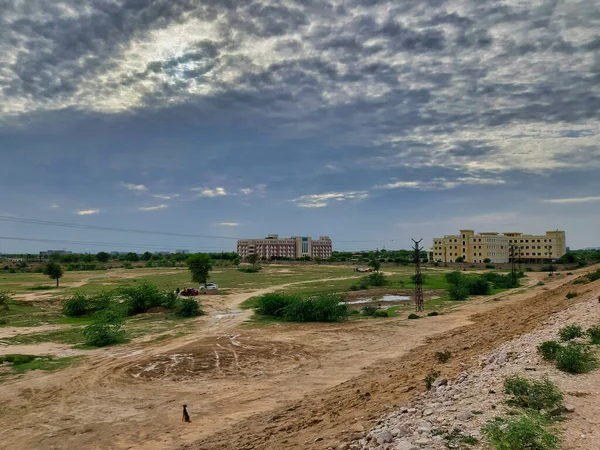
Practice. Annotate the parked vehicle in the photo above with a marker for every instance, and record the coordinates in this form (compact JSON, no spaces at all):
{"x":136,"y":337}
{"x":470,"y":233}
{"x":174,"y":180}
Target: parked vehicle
{"x":209,"y":286}
{"x":189,"y":292}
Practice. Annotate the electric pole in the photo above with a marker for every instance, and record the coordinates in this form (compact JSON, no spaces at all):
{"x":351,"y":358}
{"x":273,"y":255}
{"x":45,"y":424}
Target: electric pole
{"x":512,"y":260}
{"x":418,"y":277}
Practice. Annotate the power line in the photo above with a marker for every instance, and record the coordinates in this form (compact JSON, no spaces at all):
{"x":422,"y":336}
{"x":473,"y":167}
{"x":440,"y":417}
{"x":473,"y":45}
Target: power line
{"x":102,"y":244}
{"x":103,"y":228}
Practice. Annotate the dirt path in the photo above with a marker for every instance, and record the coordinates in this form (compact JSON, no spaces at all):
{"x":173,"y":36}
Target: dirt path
{"x":239,"y":383}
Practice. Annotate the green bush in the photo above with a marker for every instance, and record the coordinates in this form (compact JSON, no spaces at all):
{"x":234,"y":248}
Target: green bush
{"x":76,"y":306}
{"x":533,"y":394}
{"x":571,"y":295}
{"x":458,"y":292}
{"x":479,"y":286}
{"x":127,"y":265}
{"x":273,"y":304}
{"x":430,"y":378}
{"x":354,"y":287}
{"x":139,"y":299}
{"x":249,"y":269}
{"x":500,"y":281}
{"x":576,"y":358}
{"x":549,"y":350}
{"x":380,"y":313}
{"x":170,"y":300}
{"x":490,"y":266}
{"x":377,"y":279}
{"x":17,"y":360}
{"x":570,"y":332}
{"x":520,"y":433}
{"x":369,"y":310}
{"x":188,"y":307}
{"x":101,"y":300}
{"x":433,"y":313}
{"x":594,"y":334}
{"x":363,"y":283}
{"x":355,"y":312}
{"x":593,"y":276}
{"x":327,"y":308}
{"x":5,"y":298}
{"x":106,"y":328}
{"x":444,"y":356}
{"x":413,"y":316}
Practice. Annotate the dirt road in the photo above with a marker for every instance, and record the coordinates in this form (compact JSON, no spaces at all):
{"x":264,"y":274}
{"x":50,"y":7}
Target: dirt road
{"x":240,"y":384}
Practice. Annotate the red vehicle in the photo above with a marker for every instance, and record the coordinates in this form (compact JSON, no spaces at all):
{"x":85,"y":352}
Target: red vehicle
{"x":189,"y":292}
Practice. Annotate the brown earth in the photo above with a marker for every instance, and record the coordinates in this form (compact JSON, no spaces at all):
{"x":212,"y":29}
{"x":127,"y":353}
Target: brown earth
{"x":281,"y":386}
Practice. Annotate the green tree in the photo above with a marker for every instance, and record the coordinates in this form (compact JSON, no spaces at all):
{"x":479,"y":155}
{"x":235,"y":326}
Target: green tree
{"x":487,"y":260}
{"x":200,"y":266}
{"x":317,"y":260}
{"x":54,"y":271}
{"x":236,"y":261}
{"x":146,"y":256}
{"x":460,"y":259}
{"x":103,"y":257}
{"x":87,"y":258}
{"x":375,"y":264}
{"x":252,"y":259}
{"x":131,"y":256}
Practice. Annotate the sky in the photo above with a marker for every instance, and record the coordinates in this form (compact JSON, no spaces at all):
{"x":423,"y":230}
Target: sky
{"x":370,"y":121}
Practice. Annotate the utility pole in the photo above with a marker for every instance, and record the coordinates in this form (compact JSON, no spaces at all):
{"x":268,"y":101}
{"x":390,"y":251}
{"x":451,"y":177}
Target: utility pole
{"x":519,"y":258}
{"x":512,"y":260}
{"x":418,"y":278}
{"x":445,"y":256}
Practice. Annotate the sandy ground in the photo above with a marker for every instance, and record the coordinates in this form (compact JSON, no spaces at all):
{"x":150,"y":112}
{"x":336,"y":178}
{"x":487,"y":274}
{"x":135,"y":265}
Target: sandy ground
{"x":276,"y":387}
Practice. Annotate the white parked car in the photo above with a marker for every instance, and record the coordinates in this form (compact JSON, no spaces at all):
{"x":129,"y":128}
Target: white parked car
{"x":209,"y":286}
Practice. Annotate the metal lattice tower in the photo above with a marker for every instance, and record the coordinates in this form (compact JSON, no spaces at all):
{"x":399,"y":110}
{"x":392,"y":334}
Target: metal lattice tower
{"x":418,"y":278}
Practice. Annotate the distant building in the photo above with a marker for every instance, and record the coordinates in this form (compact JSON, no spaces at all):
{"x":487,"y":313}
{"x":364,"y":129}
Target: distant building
{"x":292,"y":247}
{"x":48,"y":253}
{"x":475,"y":248}
{"x":183,"y":252}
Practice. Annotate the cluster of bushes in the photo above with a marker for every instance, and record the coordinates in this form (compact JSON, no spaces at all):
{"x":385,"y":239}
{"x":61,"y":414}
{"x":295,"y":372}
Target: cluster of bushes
{"x":376,"y":279}
{"x":541,"y":401}
{"x":462,"y":286}
{"x":295,"y":308}
{"x":249,"y":269}
{"x":109,"y":309}
{"x":17,"y":359}
{"x":593,"y":276}
{"x":572,"y":357}
{"x":376,"y":311}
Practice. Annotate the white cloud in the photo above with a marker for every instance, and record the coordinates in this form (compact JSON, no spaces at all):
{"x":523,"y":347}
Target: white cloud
{"x":54,"y":206}
{"x":135,"y":187}
{"x":573,"y":200}
{"x":246,"y":191}
{"x":152,"y":208}
{"x":322,"y":200}
{"x":440,"y":183}
{"x":226,"y":224}
{"x":87,"y":212}
{"x":165,"y":197}
{"x":205,"y":192}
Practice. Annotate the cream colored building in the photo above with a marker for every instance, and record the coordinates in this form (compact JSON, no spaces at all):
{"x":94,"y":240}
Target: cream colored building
{"x":475,"y":248}
{"x":292,"y":247}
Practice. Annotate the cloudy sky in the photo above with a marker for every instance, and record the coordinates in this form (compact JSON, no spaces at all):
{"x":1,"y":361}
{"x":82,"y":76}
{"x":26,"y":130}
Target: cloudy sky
{"x":371,"y":121}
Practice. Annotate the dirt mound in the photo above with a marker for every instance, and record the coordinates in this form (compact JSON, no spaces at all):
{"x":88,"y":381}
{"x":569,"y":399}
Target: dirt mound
{"x":225,"y":357}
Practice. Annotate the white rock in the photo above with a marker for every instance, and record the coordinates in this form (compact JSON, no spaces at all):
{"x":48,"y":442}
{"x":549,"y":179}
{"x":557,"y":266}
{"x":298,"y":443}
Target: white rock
{"x":384,"y":437}
{"x":406,"y":445}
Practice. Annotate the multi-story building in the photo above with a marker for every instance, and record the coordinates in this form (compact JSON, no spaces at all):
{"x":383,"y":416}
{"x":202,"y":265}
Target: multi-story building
{"x":293,"y":247}
{"x":475,"y":248}
{"x":48,"y":253}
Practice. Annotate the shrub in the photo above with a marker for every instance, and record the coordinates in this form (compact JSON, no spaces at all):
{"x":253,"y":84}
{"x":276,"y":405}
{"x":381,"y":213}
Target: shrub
{"x":369,"y":310}
{"x":4,"y":300}
{"x":490,"y":266}
{"x":576,"y":358}
{"x":500,"y":281}
{"x":430,"y":378}
{"x":355,"y":312}
{"x":273,"y":304}
{"x":444,"y":356}
{"x":101,"y":300}
{"x":188,"y":307}
{"x":593,"y":276}
{"x":479,"y":286}
{"x":363,"y":283}
{"x":170,"y":300}
{"x":381,"y":313}
{"x":571,"y":295}
{"x":570,"y":332}
{"x":433,"y":313}
{"x":127,"y":265}
{"x":533,"y":394}
{"x":520,"y":433}
{"x":76,"y":306}
{"x":354,"y":287}
{"x":106,"y":328}
{"x":594,"y":334}
{"x":454,"y":278}
{"x":549,"y":349}
{"x":528,"y":269}
{"x":458,"y":292}
{"x":487,"y":260}
{"x":17,"y":359}
{"x":377,"y":279}
{"x":249,"y":269}
{"x":413,"y":316}
{"x":140,"y":298}
{"x":327,"y":308}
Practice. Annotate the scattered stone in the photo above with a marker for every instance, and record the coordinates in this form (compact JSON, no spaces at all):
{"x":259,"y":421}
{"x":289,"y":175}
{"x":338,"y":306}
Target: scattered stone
{"x":384,"y":437}
{"x":406,"y":445}
{"x":569,"y":408}
{"x":428,"y":412}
